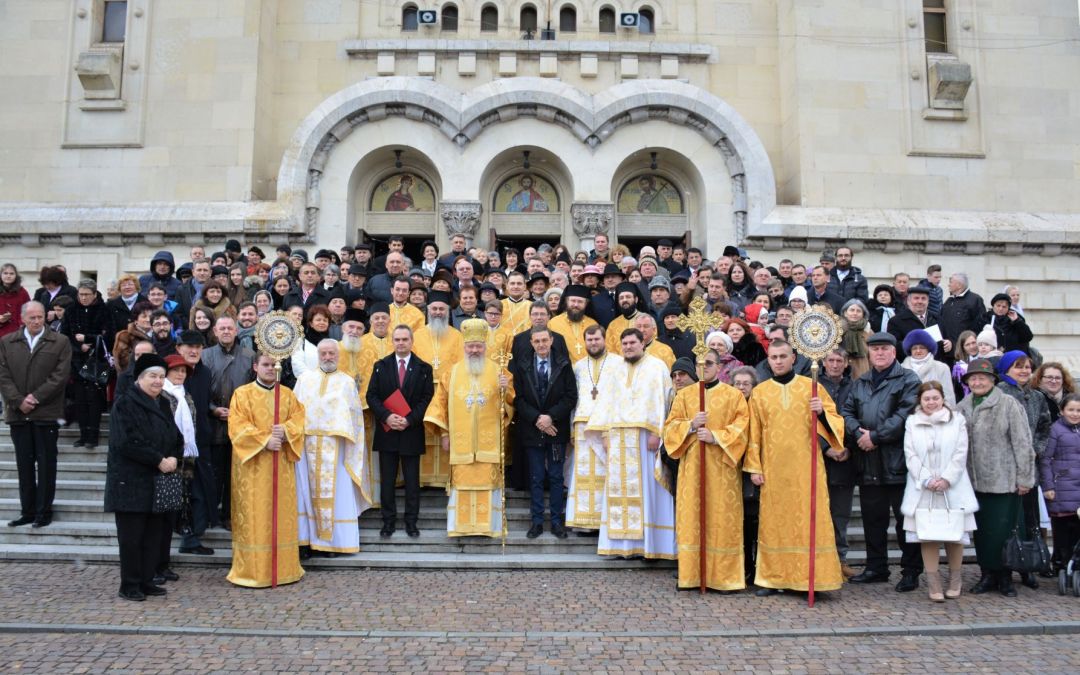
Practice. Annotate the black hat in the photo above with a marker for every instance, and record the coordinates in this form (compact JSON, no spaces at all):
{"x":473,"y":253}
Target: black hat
{"x":669,"y":310}
{"x":325,"y":253}
{"x":192,"y":338}
{"x":440,"y":296}
{"x":489,"y":287}
{"x":576,"y":291}
{"x":685,"y":365}
{"x":495,"y":270}
{"x":918,"y":288}
{"x":999,"y":298}
{"x":564,"y":257}
{"x":881,"y":338}
{"x":219,"y":269}
{"x":358,"y":271}
{"x":682,"y":276}
{"x":233,"y":245}
{"x":352,"y":295}
{"x":539,"y":276}
{"x":664,"y":242}
{"x":353,"y":314}
{"x":300,"y":253}
{"x":184,"y":271}
{"x":363,"y":247}
{"x":731,"y":252}
{"x":827,"y":256}
{"x":612,"y":268}
{"x":147,"y":361}
{"x":379,"y":307}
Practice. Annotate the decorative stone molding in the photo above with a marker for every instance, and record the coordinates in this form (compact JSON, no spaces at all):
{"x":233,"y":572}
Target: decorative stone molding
{"x":460,"y":218}
{"x":591,"y":218}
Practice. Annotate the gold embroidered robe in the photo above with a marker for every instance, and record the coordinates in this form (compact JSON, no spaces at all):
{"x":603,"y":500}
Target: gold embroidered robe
{"x":251,"y":417}
{"x":612,"y":337}
{"x":779,"y":449}
{"x":468,"y":409}
{"x":588,"y":466}
{"x":408,"y":315}
{"x":441,"y":354}
{"x":358,"y":365}
{"x":728,"y":419}
{"x":662,"y":352}
{"x":573,"y":333}
{"x":516,"y":314}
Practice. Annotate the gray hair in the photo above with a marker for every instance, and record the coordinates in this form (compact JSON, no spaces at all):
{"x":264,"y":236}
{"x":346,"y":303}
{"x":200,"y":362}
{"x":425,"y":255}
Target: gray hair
{"x":88,"y":283}
{"x":855,"y":302}
{"x":325,"y":342}
{"x":962,"y":277}
{"x":333,"y":269}
{"x":32,"y":304}
{"x":744,"y":370}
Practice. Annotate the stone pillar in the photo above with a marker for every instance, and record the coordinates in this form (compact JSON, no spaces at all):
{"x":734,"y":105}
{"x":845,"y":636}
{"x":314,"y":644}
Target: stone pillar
{"x":461,"y":218}
{"x":590,"y":219}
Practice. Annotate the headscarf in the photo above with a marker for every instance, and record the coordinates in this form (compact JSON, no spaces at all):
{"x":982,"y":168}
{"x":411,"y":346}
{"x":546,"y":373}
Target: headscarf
{"x":1007,"y":360}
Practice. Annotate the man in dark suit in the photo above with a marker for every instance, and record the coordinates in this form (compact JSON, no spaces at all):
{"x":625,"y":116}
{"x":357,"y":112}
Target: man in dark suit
{"x":521,"y":348}
{"x":404,"y":442}
{"x":915,"y":315}
{"x":604,"y":306}
{"x":546,"y":393}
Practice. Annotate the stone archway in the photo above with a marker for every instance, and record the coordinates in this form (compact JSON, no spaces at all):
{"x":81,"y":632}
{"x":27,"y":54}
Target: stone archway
{"x":461,"y":117}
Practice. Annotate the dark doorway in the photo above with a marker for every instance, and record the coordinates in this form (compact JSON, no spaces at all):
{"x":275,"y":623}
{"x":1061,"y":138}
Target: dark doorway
{"x":520,"y":242}
{"x":380,"y":245}
{"x":635,"y":243}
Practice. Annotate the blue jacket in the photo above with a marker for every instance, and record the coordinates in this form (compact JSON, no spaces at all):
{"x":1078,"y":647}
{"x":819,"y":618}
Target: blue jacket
{"x":172,"y":284}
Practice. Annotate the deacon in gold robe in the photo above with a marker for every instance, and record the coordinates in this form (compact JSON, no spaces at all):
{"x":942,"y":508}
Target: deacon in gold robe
{"x":257,"y":444}
{"x":776,"y":460}
{"x":646,"y":323}
{"x":357,"y":363}
{"x":516,"y":304}
{"x":472,"y":407}
{"x":439,"y":345}
{"x":723,"y":427}
{"x":572,"y":323}
{"x":588,"y":464}
{"x":638,"y":514}
{"x":499,"y":337}
{"x":628,"y":297}
{"x":331,"y":484}
{"x":401,"y":312}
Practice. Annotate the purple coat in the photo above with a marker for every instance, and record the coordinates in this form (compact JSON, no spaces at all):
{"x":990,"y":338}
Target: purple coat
{"x":1059,"y":468}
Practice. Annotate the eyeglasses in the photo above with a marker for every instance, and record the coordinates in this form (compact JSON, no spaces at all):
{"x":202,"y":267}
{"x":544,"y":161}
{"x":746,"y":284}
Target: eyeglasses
{"x":710,"y":363}
{"x":1052,"y":378}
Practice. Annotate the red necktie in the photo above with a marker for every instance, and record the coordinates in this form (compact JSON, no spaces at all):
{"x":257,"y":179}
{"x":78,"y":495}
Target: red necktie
{"x":401,"y":373}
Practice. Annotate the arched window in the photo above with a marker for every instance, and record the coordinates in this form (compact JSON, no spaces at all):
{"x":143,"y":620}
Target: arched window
{"x":646,"y":21}
{"x":528,"y":19}
{"x":489,"y":18}
{"x":568,"y":19}
{"x":607,"y":20}
{"x":408,"y":18}
{"x":449,"y":18}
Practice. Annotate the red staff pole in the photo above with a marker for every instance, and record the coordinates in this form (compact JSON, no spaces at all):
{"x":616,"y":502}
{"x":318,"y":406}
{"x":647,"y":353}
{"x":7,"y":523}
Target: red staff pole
{"x":274,"y":496}
{"x":701,"y":480}
{"x":813,"y":481}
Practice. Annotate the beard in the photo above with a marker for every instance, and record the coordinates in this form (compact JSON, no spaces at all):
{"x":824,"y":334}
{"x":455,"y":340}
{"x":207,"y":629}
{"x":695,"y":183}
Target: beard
{"x":633,"y":359}
{"x":350,"y":344}
{"x":596,"y":352}
{"x":628,"y":312}
{"x":575,"y":315}
{"x":438,"y":325}
{"x":328,"y":366}
{"x":476,"y":364}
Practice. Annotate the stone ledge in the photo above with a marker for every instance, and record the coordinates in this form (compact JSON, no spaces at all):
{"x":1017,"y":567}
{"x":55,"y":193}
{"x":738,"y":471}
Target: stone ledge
{"x":688,"y":50}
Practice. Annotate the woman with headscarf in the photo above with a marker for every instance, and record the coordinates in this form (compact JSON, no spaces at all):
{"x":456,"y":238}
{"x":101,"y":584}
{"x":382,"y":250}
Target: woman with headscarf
{"x":921,"y":350}
{"x":881,"y":308}
{"x":853,"y":319}
{"x":720,"y":342}
{"x":264,"y":302}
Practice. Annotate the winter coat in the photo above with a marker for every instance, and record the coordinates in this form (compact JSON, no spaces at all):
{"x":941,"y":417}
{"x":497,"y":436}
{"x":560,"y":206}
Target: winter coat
{"x":838,"y":474}
{"x":44,"y":373}
{"x":172,"y":284}
{"x":883,"y":410}
{"x":91,"y":321}
{"x":1059,"y":468}
{"x":223,"y":308}
{"x":1000,"y":456}
{"x":11,"y":302}
{"x":42,"y":295}
{"x":1011,"y":334}
{"x":124,"y":345}
{"x":228,"y":372}
{"x":961,"y":313}
{"x":905,"y":321}
{"x":119,"y":314}
{"x":141,"y":434}
{"x":748,"y":350}
{"x":948,"y":432}
{"x":1037,"y":410}
{"x":853,"y":287}
{"x":930,"y":370}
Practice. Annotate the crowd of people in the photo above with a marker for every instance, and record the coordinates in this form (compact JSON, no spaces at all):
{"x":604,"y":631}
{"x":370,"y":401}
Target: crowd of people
{"x":563,"y":373}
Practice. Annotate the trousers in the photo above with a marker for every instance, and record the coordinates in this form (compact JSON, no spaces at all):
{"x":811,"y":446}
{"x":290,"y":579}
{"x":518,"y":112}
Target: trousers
{"x":139,"y":535}
{"x":35,"y":459}
{"x":877,"y":501}
{"x":546,"y":462}
{"x":410,"y":471}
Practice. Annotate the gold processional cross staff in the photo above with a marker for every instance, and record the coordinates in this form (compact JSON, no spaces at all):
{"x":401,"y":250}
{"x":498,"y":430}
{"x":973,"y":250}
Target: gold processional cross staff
{"x":502,"y":358}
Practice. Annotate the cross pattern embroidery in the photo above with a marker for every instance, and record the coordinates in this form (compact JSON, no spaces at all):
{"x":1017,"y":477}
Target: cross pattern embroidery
{"x":476,"y":397}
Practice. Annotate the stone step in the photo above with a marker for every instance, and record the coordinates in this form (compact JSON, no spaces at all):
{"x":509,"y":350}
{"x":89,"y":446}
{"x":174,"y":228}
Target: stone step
{"x":68,"y":434}
{"x":65,"y":470}
{"x":65,"y":453}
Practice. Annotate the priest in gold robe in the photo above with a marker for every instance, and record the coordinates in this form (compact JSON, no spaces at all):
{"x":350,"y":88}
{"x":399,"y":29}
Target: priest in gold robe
{"x":723,"y":428}
{"x":357,"y":363}
{"x":646,"y":323}
{"x":588,"y":463}
{"x":439,"y":344}
{"x":258,"y":444}
{"x":776,"y":460}
{"x":472,"y":407}
{"x":401,"y":312}
{"x":332,"y":482}
{"x":572,"y":323}
{"x":638,"y":513}
{"x":628,"y":298}
{"x":499,"y":338}
{"x":516,"y":304}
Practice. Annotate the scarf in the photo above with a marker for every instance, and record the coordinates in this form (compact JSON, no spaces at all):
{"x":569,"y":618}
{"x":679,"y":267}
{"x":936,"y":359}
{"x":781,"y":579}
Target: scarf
{"x":182,"y":417}
{"x":886,"y":314}
{"x":921,"y":366}
{"x":853,"y":341}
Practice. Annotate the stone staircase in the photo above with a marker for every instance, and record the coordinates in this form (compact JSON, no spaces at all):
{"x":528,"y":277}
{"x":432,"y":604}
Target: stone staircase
{"x":81,"y":531}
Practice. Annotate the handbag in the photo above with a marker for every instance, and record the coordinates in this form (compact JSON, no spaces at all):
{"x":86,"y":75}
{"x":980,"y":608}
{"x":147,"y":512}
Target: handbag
{"x":1025,"y":555}
{"x":168,"y":492}
{"x":96,"y":370}
{"x":185,"y":519}
{"x":937,"y":524}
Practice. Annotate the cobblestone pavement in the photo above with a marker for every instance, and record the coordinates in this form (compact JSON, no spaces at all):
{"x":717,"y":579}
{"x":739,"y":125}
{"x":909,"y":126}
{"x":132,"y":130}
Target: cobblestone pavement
{"x":400,"y":620}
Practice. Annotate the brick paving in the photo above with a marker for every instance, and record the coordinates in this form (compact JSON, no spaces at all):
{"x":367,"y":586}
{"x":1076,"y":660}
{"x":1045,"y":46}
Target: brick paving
{"x":535,"y":621}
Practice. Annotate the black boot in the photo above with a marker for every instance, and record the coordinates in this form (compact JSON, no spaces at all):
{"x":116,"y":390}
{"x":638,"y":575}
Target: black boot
{"x":1005,"y":584}
{"x":987,"y":582}
{"x":1029,"y":580}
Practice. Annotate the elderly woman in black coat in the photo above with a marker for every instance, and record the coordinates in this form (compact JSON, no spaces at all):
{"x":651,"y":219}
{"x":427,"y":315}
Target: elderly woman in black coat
{"x":144,"y":442}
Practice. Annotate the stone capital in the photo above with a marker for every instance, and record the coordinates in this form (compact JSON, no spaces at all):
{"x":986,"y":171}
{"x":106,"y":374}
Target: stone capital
{"x":591,"y":218}
{"x":460,"y":218}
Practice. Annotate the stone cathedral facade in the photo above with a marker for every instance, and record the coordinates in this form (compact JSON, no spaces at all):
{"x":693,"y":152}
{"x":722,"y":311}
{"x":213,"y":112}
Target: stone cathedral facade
{"x":916,"y":131}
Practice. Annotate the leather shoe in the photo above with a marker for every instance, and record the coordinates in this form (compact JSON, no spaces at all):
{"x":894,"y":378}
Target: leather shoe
{"x":766,"y":592}
{"x":535,"y":531}
{"x":387,"y":531}
{"x":1029,"y":580}
{"x":1005,"y":585}
{"x":987,"y":582}
{"x":305,"y":552}
{"x":412,"y":531}
{"x":158,"y":580}
{"x":42,"y":522}
{"x":136,"y":596}
{"x":848,"y":571}
{"x":868,"y":576}
{"x":169,"y":575}
{"x":153,"y":589}
{"x":559,"y":530}
{"x":20,"y":521}
{"x":907,"y":583}
{"x":78,"y":444}
{"x":197,"y":550}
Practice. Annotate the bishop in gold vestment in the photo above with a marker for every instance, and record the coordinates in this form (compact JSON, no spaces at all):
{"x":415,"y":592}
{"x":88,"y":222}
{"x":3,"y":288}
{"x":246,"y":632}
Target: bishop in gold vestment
{"x":471,"y":411}
{"x":251,"y":421}
{"x":780,"y":452}
{"x":439,"y":345}
{"x":727,"y":419}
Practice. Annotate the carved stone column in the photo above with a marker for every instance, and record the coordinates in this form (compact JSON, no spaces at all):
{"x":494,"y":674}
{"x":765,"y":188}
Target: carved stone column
{"x":461,"y":218}
{"x":590,"y":219}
